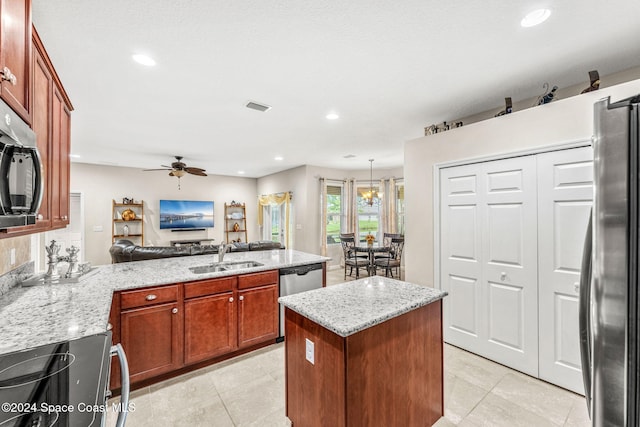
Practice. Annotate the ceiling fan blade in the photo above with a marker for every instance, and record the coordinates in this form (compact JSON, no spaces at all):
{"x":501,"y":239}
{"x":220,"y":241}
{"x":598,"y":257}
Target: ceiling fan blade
{"x":164,"y":169}
{"x":196,"y":171}
{"x":171,"y":173}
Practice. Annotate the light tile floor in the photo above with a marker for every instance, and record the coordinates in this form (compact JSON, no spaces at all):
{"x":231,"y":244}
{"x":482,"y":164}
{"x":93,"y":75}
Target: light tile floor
{"x":249,"y":391}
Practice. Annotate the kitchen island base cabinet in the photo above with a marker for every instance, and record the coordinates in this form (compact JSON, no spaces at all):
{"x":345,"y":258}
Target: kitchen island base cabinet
{"x":387,"y":375}
{"x":209,"y":327}
{"x":152,"y":340}
{"x":258,"y":315}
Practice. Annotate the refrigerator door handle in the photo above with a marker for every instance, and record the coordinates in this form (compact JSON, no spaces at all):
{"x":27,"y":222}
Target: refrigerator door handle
{"x":585,"y":313}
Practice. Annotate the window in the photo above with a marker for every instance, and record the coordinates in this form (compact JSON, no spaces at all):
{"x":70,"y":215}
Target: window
{"x":335,"y":213}
{"x":274,"y":223}
{"x":368,"y":215}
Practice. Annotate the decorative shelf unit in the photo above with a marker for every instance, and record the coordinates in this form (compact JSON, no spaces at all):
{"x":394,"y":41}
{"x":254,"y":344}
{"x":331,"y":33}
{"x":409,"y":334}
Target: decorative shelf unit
{"x":120,"y":225}
{"x":235,"y":214}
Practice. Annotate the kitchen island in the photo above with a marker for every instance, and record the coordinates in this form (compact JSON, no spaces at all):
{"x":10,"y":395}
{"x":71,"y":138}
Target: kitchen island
{"x":364,"y":353}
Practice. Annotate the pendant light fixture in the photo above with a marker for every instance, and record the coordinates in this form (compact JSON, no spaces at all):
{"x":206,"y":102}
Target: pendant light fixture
{"x":372,"y":194}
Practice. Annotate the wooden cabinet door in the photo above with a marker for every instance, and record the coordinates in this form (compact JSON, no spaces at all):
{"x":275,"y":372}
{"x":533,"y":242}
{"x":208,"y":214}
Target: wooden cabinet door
{"x":15,"y":54}
{"x":257,"y":315}
{"x":152,"y":340}
{"x":41,"y":120}
{"x":60,"y":161}
{"x":209,"y":327}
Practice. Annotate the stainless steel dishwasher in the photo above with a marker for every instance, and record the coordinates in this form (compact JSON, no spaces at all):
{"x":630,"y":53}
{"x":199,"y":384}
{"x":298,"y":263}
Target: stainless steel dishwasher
{"x":294,"y":280}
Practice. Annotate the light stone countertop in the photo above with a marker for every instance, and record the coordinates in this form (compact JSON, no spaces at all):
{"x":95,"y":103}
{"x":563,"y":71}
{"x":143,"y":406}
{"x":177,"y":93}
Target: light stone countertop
{"x":44,"y":314}
{"x":351,"y":307}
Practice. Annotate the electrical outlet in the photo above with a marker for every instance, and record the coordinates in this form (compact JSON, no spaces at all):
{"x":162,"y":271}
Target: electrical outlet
{"x":97,"y":228}
{"x":12,"y":255}
{"x":298,"y":226}
{"x":309,"y":351}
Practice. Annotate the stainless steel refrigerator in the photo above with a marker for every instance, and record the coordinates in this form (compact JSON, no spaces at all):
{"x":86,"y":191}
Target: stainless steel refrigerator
{"x":609,"y":309}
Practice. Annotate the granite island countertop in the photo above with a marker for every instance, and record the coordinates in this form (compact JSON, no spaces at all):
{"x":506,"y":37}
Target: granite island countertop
{"x":44,"y":314}
{"x":351,"y":307}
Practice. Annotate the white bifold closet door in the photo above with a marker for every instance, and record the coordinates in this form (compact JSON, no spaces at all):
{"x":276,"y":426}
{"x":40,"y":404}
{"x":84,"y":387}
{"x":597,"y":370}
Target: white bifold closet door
{"x":489,"y":260}
{"x":511,"y":236}
{"x":565,"y":196}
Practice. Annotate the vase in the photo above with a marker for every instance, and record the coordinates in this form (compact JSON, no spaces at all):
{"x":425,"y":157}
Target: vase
{"x":125,"y":230}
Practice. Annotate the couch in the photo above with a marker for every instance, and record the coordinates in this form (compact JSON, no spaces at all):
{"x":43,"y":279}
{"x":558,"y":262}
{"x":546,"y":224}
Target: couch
{"x":125,"y":250}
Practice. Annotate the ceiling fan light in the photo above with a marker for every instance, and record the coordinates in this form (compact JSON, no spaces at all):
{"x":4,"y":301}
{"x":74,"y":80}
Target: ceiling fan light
{"x":179,"y":173}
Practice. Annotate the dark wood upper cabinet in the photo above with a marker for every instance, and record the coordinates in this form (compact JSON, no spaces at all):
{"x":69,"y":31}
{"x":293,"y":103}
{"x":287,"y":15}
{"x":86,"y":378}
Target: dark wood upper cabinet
{"x":51,"y":122}
{"x":15,"y":55}
{"x":41,"y":113}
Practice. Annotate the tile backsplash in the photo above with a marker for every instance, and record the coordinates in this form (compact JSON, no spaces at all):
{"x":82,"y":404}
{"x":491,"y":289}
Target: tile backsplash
{"x":22,"y":246}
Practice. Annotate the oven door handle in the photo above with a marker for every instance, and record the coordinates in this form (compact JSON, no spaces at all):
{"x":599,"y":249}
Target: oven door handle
{"x":117,"y":350}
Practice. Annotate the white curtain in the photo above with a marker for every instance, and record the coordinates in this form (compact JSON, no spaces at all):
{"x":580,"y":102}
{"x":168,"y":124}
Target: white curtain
{"x":392,"y":200}
{"x":352,"y":205}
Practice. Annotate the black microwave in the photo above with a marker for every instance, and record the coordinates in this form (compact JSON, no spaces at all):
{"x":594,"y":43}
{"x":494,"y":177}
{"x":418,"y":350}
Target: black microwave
{"x":21,"y":181}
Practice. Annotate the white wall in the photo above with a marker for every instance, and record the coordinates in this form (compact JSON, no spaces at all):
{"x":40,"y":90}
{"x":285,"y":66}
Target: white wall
{"x":101,"y":184}
{"x":562,"y":121}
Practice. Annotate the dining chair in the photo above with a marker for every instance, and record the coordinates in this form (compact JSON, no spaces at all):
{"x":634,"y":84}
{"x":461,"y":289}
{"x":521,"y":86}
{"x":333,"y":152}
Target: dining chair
{"x":386,"y":242}
{"x":353,"y":236}
{"x":351,"y":259}
{"x":396,"y":247}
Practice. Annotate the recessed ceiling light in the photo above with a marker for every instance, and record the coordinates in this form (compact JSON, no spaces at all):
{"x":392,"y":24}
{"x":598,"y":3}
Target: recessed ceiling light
{"x":278,"y":158}
{"x":536,"y":17}
{"x":240,"y":172}
{"x":332,"y":116}
{"x":144,"y":60}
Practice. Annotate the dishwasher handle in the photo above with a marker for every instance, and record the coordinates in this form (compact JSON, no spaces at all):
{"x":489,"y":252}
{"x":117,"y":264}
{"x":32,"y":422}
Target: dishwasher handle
{"x":300,"y":270}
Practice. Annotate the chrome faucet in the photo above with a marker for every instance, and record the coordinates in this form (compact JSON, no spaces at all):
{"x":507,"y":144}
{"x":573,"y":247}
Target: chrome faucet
{"x":222,"y":249}
{"x":53,"y":259}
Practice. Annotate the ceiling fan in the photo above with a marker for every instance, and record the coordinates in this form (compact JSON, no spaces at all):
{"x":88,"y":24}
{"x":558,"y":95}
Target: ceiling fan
{"x":179,"y":169}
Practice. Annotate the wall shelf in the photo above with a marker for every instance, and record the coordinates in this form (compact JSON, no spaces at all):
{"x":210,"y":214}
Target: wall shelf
{"x":233,"y":234}
{"x":135,"y":225}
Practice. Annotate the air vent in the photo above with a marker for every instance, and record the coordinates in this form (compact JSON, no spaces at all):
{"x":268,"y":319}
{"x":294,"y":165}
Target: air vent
{"x":257,"y":106}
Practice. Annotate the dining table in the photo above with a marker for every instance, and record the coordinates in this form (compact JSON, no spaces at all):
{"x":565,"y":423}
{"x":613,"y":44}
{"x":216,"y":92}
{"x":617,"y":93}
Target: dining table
{"x":371,"y":250}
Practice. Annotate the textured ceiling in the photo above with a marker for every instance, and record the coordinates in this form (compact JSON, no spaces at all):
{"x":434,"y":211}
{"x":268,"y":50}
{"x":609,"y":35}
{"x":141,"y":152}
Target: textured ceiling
{"x":388,"y":68}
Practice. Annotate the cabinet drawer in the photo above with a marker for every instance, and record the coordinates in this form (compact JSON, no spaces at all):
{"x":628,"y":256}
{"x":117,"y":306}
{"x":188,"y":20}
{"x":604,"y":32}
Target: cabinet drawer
{"x":257,"y":279}
{"x":209,"y":287}
{"x":148,"y":296}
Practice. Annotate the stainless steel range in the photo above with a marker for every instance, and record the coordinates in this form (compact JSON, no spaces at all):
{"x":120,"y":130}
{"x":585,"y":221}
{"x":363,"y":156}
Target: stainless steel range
{"x":61,"y":384}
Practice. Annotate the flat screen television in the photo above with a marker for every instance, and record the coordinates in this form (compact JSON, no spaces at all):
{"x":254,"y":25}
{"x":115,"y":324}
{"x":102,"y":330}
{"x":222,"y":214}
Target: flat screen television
{"x":185,"y":214}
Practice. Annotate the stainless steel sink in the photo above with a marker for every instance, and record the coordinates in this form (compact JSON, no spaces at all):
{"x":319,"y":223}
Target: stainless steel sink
{"x":224,"y":266}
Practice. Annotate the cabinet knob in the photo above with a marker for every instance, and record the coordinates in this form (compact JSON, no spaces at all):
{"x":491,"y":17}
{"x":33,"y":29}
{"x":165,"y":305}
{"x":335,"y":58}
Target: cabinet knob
{"x":503,"y":276}
{"x":241,"y":297}
{"x":109,"y":326}
{"x":150,"y":297}
{"x":174,"y":311}
{"x":576,"y":287}
{"x":40,"y":217}
{"x":230,"y":299}
{"x":64,"y":217}
{"x":7,"y":75}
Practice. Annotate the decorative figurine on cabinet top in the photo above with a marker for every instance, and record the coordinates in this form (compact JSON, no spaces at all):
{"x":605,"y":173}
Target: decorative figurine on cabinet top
{"x":594,"y":78}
